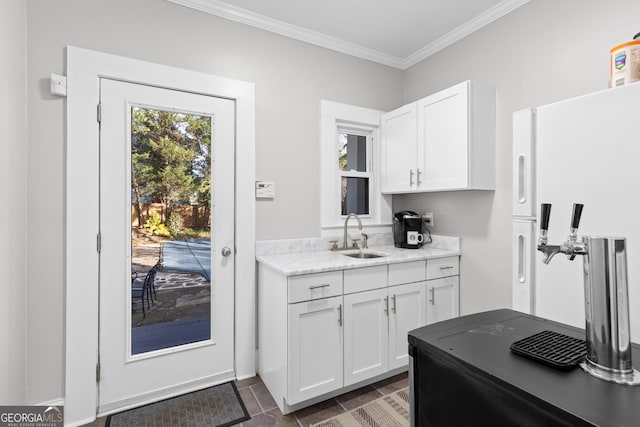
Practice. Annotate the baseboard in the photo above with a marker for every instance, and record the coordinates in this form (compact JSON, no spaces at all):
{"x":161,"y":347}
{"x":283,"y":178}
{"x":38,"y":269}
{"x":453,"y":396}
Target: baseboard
{"x":297,"y":406}
{"x":164,"y":393}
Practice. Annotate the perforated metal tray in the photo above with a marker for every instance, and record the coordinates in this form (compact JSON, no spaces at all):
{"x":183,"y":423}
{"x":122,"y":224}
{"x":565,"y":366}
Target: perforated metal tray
{"x":553,"y":349}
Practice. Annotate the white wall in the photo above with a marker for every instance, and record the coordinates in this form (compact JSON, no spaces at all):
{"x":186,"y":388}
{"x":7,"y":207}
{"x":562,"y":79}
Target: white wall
{"x":543,"y":52}
{"x":13,"y":141}
{"x":291,"y":78}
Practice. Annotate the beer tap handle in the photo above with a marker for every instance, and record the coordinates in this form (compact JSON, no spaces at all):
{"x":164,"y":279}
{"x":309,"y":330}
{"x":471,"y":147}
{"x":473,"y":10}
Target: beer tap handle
{"x":575,"y":222}
{"x":545,"y":213}
{"x":575,"y":216}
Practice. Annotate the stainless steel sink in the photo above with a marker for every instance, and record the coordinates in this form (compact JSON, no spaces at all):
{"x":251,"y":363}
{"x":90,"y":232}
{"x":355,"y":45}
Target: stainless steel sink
{"x":364,"y":255}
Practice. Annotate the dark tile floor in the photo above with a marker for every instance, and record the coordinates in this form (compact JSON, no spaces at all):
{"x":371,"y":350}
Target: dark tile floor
{"x":265,"y":413}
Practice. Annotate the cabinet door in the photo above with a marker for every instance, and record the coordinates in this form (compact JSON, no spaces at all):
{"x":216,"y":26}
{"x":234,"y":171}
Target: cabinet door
{"x":399,"y":149}
{"x":315,"y":348}
{"x":442,"y":299}
{"x":407,"y":305}
{"x":366,"y":336}
{"x":443,"y":139}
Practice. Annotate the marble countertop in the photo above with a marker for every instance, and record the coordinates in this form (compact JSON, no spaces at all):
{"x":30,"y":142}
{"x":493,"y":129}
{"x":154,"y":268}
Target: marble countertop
{"x":294,"y":263}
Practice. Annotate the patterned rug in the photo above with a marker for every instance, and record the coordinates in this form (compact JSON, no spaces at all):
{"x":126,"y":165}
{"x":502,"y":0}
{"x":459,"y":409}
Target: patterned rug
{"x":391,"y":410}
{"x":218,"y":406}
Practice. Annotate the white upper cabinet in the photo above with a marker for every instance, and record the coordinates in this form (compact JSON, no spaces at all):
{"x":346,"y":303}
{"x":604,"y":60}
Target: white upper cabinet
{"x":399,"y":147}
{"x":449,"y":146}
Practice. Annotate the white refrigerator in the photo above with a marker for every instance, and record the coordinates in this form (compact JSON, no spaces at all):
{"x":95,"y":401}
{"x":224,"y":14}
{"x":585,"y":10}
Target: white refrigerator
{"x":581,"y":150}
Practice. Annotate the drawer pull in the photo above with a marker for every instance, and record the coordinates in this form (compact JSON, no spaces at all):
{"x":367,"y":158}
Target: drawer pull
{"x":446,"y":267}
{"x":324,"y":285}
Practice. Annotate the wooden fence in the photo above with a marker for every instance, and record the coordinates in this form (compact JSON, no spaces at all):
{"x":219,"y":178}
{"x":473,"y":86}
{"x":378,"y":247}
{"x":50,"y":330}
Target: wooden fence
{"x":193,"y":216}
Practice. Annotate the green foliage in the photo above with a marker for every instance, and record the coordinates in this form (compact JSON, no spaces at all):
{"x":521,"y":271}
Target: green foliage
{"x":171,"y":157}
{"x":163,"y":231}
{"x":175,"y":224}
{"x":153,"y":223}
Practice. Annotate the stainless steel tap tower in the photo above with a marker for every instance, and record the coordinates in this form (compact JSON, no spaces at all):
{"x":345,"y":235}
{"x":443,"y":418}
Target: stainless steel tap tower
{"x":605,"y":295}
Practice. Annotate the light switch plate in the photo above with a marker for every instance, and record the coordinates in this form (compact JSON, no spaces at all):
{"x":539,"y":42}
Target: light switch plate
{"x":265,"y":190}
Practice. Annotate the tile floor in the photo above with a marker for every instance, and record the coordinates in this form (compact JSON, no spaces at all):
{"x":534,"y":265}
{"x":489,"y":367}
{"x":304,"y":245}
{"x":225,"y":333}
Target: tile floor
{"x":265,"y":413}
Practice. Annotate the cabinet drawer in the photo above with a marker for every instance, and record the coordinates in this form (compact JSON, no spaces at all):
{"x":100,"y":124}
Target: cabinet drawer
{"x":406,"y":272}
{"x":313,"y":286}
{"x":443,"y":267}
{"x":364,"y":279}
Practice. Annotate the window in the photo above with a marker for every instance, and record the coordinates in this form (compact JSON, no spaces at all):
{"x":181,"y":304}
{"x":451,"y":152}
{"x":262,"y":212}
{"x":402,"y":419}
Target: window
{"x":355,"y":172}
{"x":350,"y":167}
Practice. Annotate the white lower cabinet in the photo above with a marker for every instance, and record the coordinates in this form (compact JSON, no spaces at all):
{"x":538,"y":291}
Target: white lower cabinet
{"x":323,"y":332}
{"x":407,"y":311}
{"x":366,"y":336}
{"x":315,"y":348}
{"x":442,"y":297}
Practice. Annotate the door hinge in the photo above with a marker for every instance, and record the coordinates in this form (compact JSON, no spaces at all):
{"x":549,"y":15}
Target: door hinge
{"x":98,"y":372}
{"x":99,"y":112}
{"x":99,"y":242}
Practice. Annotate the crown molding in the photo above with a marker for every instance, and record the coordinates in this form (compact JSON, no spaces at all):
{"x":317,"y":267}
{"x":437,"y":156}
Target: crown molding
{"x":247,"y":17}
{"x":244,"y":16}
{"x":485,"y":18}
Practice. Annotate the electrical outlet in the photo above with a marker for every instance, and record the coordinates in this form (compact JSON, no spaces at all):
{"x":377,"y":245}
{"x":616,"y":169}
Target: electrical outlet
{"x":428,"y":218}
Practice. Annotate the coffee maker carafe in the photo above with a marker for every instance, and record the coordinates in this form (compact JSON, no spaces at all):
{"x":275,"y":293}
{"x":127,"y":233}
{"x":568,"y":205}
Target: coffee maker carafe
{"x":407,"y":230}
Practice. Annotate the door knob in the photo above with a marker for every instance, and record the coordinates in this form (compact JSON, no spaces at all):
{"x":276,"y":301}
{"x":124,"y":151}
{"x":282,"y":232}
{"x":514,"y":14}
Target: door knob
{"x":226,"y":251}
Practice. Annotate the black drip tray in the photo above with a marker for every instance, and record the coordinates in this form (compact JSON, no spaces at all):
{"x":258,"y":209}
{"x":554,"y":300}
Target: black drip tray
{"x":553,"y":349}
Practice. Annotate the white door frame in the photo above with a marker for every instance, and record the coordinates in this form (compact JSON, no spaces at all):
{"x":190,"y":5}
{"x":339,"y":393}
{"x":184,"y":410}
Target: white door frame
{"x":84,"y":69}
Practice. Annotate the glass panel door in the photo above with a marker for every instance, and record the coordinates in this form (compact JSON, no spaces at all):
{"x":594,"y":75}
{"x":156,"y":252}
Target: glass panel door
{"x":170,"y":228}
{"x":167,"y":223}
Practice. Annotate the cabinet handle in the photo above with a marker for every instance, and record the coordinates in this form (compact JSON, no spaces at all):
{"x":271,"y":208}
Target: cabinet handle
{"x":410,"y":177}
{"x":386,"y":304}
{"x":418,"y":177}
{"x":340,"y":315}
{"x":393,"y":303}
{"x":446,"y":267}
{"x":433,"y":296}
{"x":324,"y":285}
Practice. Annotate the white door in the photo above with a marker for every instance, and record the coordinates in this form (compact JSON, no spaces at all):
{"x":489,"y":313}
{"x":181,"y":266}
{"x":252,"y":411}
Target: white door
{"x":366,"y":335}
{"x":315,"y":348}
{"x":407,"y":311}
{"x":442,"y":299}
{"x":167,"y":207}
{"x":399,"y":166}
{"x":443,"y":138}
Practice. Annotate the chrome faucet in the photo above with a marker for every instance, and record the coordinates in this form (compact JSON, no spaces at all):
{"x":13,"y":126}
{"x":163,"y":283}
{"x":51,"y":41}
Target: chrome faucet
{"x":346,"y":221}
{"x":606,"y":297}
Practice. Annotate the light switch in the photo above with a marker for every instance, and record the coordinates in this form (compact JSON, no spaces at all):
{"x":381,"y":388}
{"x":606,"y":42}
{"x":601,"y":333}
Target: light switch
{"x":265,"y":190}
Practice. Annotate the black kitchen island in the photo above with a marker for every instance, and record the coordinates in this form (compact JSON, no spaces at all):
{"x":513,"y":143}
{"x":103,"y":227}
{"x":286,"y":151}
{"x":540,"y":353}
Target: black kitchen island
{"x":462,"y":373}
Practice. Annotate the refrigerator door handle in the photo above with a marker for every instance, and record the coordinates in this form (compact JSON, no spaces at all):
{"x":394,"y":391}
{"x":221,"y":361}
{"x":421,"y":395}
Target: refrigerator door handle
{"x":522,"y":187}
{"x":522,"y":266}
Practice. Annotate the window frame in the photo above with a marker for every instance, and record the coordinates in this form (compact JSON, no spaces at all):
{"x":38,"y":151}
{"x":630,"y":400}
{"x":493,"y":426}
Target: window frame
{"x":343,"y":118}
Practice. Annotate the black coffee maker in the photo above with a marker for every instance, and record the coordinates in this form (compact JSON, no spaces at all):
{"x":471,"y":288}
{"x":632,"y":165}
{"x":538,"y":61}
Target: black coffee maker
{"x":407,"y":230}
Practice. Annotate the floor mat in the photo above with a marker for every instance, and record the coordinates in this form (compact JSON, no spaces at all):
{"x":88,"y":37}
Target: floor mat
{"x":391,"y":410}
{"x":218,"y":406}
